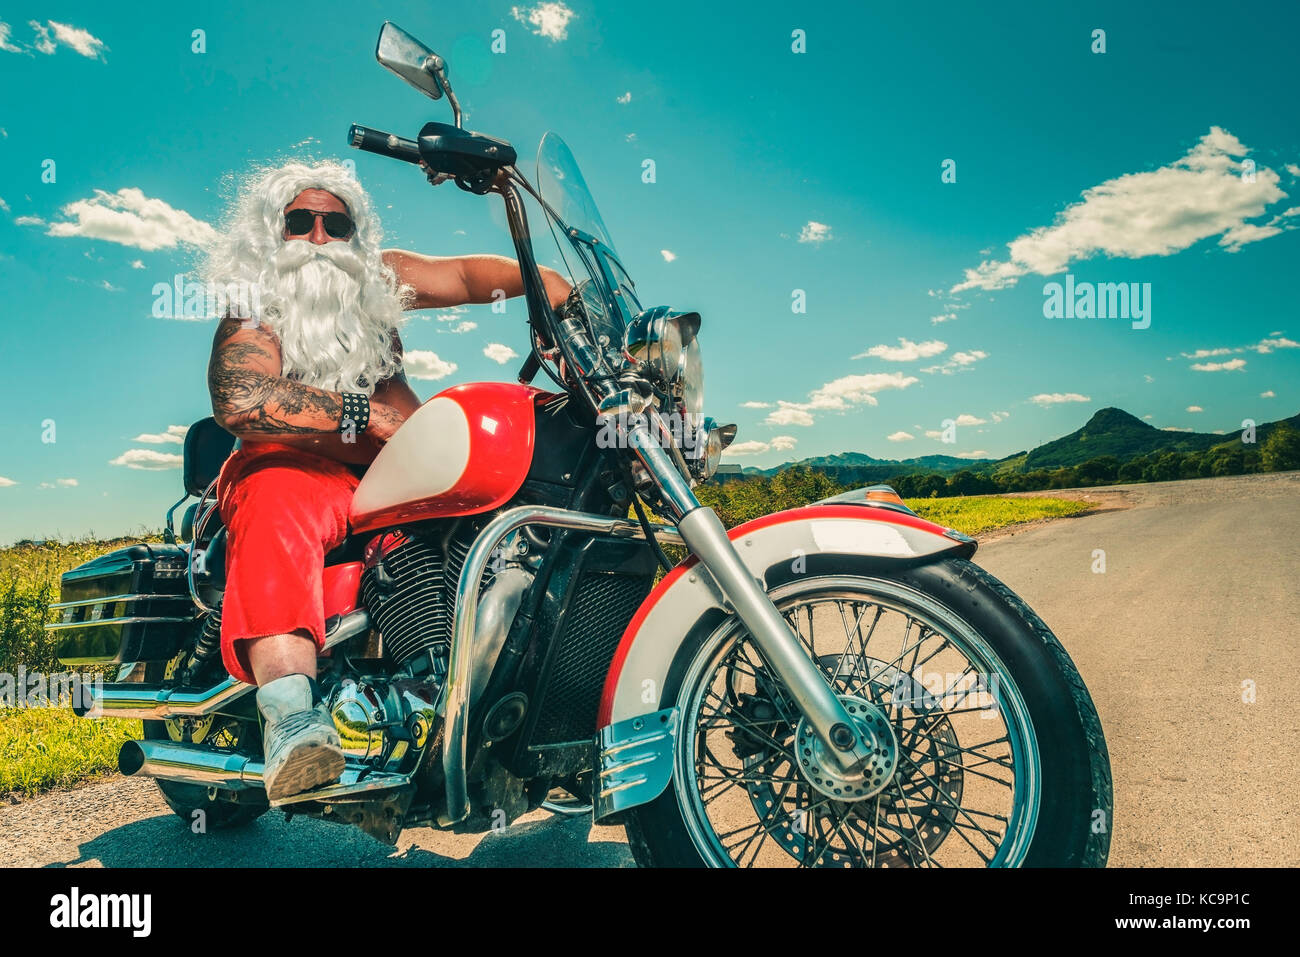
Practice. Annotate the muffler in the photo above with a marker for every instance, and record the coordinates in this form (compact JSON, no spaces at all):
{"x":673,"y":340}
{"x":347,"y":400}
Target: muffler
{"x":229,"y":771}
{"x":155,"y":704}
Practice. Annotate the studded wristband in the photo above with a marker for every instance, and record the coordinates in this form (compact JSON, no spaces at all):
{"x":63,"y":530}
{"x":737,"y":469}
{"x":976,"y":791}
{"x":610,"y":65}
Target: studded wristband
{"x":356,"y":411}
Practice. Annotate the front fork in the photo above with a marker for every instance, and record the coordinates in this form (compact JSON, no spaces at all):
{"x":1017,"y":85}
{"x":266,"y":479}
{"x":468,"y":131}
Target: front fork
{"x":703,"y":533}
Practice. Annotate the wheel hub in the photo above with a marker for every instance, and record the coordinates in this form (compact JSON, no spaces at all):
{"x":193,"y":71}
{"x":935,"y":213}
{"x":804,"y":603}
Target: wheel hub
{"x":818,"y":766}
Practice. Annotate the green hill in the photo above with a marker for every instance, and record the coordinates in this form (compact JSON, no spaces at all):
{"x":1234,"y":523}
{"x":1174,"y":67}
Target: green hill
{"x":1115,"y":432}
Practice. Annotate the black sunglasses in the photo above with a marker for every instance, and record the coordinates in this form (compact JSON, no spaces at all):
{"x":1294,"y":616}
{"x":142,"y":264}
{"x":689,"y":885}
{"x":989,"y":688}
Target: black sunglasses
{"x":300,"y":222}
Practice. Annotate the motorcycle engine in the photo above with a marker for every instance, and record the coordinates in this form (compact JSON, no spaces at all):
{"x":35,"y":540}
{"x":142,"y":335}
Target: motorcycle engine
{"x":409,"y":586}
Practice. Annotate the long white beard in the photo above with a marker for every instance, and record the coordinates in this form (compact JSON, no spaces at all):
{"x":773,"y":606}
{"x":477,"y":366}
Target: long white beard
{"x":331,"y":337}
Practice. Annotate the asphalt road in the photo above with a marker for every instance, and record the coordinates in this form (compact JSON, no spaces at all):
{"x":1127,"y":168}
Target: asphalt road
{"x":1197,"y":611}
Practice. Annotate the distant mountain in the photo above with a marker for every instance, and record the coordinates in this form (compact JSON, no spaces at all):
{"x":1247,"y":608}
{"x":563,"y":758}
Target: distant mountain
{"x":858,"y":464}
{"x":1115,"y":432}
{"x":1110,"y":431}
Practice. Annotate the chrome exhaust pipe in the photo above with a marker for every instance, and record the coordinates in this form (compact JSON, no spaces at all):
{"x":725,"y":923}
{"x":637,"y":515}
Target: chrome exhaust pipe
{"x":155,"y":704}
{"x":194,"y":764}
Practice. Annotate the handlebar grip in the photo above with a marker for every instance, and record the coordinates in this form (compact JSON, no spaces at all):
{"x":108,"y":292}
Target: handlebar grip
{"x":529,"y":369}
{"x":385,"y":144}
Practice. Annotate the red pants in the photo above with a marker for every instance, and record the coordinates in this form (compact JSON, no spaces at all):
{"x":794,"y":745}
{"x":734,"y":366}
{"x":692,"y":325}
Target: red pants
{"x":284,"y":508}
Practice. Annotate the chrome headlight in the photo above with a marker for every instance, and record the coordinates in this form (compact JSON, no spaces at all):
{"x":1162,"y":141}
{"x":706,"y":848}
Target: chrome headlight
{"x":691,"y":376}
{"x":705,"y":451}
{"x":656,"y":340}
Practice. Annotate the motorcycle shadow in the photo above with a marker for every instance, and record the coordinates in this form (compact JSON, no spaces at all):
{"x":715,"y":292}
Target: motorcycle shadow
{"x":538,"y":839}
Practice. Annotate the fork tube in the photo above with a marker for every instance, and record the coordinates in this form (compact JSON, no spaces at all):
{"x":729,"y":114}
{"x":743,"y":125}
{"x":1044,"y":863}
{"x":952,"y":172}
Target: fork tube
{"x":705,"y":536}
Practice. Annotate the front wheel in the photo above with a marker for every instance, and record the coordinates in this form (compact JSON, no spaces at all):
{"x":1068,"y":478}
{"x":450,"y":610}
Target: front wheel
{"x":989,"y":751}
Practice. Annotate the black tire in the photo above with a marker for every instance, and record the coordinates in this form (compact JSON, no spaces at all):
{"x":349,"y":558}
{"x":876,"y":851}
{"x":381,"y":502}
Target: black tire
{"x":1074,"y":812}
{"x":185,"y":799}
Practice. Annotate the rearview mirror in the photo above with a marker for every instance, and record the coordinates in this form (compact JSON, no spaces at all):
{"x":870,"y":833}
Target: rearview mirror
{"x":402,"y":54}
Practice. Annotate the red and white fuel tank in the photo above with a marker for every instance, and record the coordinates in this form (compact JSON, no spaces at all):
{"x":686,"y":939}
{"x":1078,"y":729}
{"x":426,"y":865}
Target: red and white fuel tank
{"x":466,"y":450}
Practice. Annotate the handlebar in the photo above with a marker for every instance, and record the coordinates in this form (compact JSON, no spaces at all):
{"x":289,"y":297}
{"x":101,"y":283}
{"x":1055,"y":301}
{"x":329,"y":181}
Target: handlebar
{"x":385,"y":144}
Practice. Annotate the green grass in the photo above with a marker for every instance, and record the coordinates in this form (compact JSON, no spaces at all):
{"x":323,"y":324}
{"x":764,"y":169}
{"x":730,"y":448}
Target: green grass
{"x":978,"y":514}
{"x":43,"y":748}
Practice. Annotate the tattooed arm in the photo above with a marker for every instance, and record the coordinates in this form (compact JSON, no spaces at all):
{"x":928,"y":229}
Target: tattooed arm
{"x":252,"y":400}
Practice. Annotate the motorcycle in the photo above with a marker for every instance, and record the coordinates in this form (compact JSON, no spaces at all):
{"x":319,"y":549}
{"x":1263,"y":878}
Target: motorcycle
{"x":833,"y":685}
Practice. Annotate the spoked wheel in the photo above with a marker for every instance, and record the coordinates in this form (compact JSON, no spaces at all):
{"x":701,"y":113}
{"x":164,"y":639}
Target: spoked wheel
{"x":986,"y":747}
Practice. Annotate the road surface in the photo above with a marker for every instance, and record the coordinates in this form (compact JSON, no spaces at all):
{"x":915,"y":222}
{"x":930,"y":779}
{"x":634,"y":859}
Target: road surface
{"x":1188,"y":641}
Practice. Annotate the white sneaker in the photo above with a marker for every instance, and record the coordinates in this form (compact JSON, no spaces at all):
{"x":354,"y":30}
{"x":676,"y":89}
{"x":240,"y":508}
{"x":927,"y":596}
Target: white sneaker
{"x":301,"y":747}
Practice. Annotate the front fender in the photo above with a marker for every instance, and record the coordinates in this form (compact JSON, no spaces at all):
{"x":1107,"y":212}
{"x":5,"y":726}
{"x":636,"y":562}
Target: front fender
{"x":774,"y":548}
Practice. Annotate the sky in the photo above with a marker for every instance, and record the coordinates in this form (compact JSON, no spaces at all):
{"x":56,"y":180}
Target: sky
{"x":865,"y":202}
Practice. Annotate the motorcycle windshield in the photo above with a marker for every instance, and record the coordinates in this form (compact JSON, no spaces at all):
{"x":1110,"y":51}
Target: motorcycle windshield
{"x":606,"y":289}
{"x":561,"y":184}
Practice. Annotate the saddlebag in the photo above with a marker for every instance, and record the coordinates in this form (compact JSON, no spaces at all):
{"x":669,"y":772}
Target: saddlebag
{"x":132,"y":604}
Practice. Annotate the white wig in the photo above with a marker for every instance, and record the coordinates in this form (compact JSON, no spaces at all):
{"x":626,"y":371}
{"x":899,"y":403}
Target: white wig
{"x":335,"y":306}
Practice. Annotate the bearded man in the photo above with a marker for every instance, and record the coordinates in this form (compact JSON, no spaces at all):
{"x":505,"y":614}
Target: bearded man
{"x":312,"y":386}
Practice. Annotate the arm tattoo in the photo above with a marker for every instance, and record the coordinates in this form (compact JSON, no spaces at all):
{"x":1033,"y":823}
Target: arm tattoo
{"x":261,"y":403}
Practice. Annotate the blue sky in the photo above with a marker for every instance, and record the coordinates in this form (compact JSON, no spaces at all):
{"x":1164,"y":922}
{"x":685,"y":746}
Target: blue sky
{"x":775,"y":171}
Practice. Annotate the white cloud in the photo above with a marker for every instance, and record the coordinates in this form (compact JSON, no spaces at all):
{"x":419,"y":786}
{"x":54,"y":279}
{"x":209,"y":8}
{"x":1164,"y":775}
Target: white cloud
{"x":499,"y":353}
{"x":905,"y":351}
{"x":1270,"y":394}
{"x":75,"y":38}
{"x":1265,"y":346}
{"x":838,"y":395}
{"x":999,"y":416}
{"x":1147,"y":417}
{"x":1153,"y":213}
{"x":1148,"y":378}
{"x":1175,"y":428}
{"x":625,"y":98}
{"x":421,"y":364}
{"x":756,"y":405}
{"x":6,"y":482}
{"x":83,"y":41}
{"x":934,"y":434}
{"x":460,"y":327}
{"x":66,"y":482}
{"x":900,"y":436}
{"x":978,"y":454}
{"x":137,"y":264}
{"x":1055,"y":398}
{"x":781,"y":443}
{"x":1206,"y":353}
{"x":958,"y":360}
{"x":174,"y":433}
{"x":814,"y":232}
{"x":788,"y":414}
{"x":1194,"y":408}
{"x":29,"y":221}
{"x":943,"y":317}
{"x":5,"y":45}
{"x":132,"y":219}
{"x":966,"y":419}
{"x":1229,"y":366}
{"x":148,"y":459}
{"x":549,"y":19}
{"x":668,"y":255}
